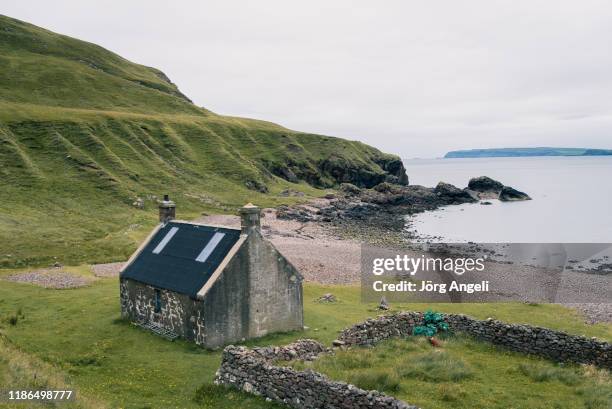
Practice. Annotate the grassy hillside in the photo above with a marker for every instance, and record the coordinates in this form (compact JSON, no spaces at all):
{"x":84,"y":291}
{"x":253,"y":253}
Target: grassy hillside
{"x":84,"y":132}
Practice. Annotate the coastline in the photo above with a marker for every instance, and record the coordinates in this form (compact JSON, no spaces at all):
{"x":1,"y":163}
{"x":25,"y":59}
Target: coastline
{"x":330,"y":252}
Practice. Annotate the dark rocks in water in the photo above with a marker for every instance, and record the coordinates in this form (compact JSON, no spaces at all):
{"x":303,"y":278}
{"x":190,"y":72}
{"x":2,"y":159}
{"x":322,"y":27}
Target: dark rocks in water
{"x":453,"y":194}
{"x":486,"y":188}
{"x":384,"y":206}
{"x":509,"y":194}
{"x":484,"y":184}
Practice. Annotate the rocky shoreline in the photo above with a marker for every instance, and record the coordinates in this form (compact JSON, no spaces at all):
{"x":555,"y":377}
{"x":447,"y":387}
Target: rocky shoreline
{"x":378,"y":215}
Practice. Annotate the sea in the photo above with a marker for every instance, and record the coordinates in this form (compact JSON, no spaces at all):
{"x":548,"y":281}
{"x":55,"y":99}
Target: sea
{"x":572,"y":200}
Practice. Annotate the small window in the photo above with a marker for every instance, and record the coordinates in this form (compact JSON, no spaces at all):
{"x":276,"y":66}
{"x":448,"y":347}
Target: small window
{"x":158,"y":301}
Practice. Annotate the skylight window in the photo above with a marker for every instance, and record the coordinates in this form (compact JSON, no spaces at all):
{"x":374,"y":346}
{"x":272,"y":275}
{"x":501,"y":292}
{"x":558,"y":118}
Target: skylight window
{"x":210,"y":247}
{"x":165,"y":240}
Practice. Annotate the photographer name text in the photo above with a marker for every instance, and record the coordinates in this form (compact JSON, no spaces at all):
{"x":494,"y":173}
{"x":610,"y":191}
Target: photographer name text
{"x":431,"y":287}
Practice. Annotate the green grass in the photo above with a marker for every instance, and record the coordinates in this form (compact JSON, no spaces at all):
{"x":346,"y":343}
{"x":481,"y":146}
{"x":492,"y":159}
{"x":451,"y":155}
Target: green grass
{"x":465,"y":373}
{"x":84,"y":132}
{"x":76,"y":336}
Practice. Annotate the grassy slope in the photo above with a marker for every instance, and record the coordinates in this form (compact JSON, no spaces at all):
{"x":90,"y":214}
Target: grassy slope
{"x":79,"y":334}
{"x":83,"y":132}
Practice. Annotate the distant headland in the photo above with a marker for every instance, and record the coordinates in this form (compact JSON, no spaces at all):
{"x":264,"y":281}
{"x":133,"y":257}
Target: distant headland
{"x":517,"y":152}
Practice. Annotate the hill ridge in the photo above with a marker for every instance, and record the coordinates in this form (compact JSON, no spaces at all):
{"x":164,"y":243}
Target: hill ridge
{"x":84,"y":133}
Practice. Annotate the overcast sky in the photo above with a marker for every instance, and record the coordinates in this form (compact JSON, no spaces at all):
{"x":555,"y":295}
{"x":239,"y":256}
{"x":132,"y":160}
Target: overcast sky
{"x":413,"y":78}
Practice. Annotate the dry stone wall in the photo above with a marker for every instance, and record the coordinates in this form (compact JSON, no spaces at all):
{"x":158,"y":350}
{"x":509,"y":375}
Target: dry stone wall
{"x":254,"y":372}
{"x":555,"y":345}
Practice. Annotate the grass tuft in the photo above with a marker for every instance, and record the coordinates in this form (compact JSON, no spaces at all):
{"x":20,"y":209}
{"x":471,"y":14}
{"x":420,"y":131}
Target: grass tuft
{"x":449,"y":392}
{"x":381,"y":380}
{"x":434,"y":367}
{"x":548,"y":373}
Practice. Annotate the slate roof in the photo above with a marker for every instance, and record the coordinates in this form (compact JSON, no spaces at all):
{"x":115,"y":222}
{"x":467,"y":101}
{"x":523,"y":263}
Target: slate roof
{"x":181,"y":257}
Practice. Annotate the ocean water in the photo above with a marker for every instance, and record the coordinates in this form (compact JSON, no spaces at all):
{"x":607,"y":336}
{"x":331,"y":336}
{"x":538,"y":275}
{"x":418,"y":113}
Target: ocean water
{"x":572,"y":200}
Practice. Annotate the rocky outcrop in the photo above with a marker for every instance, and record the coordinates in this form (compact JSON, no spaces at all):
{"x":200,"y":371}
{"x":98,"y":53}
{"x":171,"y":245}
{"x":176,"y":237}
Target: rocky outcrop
{"x":453,"y":194}
{"x":341,"y":170}
{"x":554,"y":345}
{"x":253,"y":372}
{"x":484,"y":187}
{"x":509,"y":194}
{"x":395,"y":169}
{"x":384,"y":206}
{"x":349,"y":189}
{"x":338,"y":169}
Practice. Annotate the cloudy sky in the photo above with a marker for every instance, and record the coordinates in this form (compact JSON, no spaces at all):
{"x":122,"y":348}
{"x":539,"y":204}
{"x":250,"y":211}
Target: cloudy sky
{"x":410,"y":77}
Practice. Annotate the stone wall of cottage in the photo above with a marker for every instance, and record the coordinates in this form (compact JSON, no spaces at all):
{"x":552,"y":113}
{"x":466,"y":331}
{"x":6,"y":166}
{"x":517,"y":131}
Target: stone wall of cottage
{"x":555,"y":345}
{"x":253,"y":371}
{"x":179,"y":313}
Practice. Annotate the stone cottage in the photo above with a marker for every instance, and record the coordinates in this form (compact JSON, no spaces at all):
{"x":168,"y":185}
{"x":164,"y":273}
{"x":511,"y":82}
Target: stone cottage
{"x":209,"y":284}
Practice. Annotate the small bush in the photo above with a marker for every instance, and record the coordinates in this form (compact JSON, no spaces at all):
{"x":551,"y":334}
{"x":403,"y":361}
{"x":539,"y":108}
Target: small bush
{"x":13,"y":320}
{"x":435,"y":367}
{"x":549,"y":373}
{"x":380,"y":380}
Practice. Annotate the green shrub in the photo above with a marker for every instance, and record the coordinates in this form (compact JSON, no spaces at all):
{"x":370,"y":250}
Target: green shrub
{"x":434,"y":367}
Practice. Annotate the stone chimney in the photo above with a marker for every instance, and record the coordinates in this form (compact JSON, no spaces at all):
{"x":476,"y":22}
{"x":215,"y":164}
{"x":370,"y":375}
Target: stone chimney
{"x":167,"y":210}
{"x":250,"y":218}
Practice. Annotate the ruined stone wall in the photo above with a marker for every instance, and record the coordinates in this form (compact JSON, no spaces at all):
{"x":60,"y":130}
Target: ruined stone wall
{"x":253,"y":372}
{"x":555,"y":345}
{"x":275,"y":290}
{"x":178,"y":313}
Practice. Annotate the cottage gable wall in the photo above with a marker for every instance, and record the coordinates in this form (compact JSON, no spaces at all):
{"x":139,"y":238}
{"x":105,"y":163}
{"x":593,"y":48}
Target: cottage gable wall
{"x":275,"y":289}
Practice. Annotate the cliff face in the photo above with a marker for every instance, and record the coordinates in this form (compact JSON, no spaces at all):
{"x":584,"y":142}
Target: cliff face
{"x":85,"y":132}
